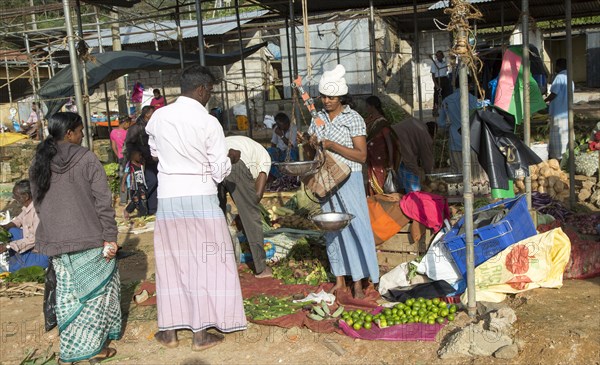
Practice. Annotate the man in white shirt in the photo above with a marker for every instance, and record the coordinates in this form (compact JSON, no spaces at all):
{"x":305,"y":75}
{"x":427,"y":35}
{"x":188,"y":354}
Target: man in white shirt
{"x":197,"y":283}
{"x":250,"y":165}
{"x":441,"y":81}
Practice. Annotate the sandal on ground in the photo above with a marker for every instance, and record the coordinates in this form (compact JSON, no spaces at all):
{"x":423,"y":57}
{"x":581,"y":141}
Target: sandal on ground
{"x":107,"y":353}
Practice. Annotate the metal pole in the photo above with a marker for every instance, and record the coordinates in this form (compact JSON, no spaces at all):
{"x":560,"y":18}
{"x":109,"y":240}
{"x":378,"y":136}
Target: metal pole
{"x":373,"y":47}
{"x":31,"y":65}
{"x":526,"y":86}
{"x":160,"y":73}
{"x":289,"y":52}
{"x":33,"y":21}
{"x":418,"y":61}
{"x":85,"y":114}
{"x":468,"y":194}
{"x":337,"y":43}
{"x":569,"y":40}
{"x":239,"y":27}
{"x":200,"y":33}
{"x":116,"y":47}
{"x":50,"y":60}
{"x":226,"y":97}
{"x":502,"y":25}
{"x":74,"y":62}
{"x":225,"y":91}
{"x":294,"y":51}
{"x":101,"y":50}
{"x":179,"y":35}
{"x":8,"y":81}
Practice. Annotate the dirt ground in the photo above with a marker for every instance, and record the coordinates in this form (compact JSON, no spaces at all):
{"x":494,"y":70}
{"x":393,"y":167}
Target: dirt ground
{"x":555,"y":327}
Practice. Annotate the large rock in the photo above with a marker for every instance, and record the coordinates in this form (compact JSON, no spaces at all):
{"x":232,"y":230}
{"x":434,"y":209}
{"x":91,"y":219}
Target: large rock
{"x":487,"y":307}
{"x":501,"y":321}
{"x":473,"y":340}
{"x":507,"y":352}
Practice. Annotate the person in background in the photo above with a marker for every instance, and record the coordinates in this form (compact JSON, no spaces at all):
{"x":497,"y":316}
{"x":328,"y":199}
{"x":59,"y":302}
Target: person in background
{"x":137,"y":139}
{"x":441,"y":82}
{"x":197,"y":281}
{"x":351,"y":251}
{"x":284,"y":140}
{"x":134,"y":181}
{"x":158,"y":101}
{"x":117,"y":141}
{"x":559,"y":112}
{"x":450,"y":120}
{"x":78,"y":230}
{"x":21,"y":248}
{"x":416,"y":152}
{"x":32,"y":125}
{"x":382,"y":146}
{"x":250,"y":165}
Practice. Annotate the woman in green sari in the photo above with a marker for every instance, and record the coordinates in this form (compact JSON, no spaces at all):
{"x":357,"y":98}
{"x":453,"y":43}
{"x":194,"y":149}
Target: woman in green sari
{"x":78,"y":231}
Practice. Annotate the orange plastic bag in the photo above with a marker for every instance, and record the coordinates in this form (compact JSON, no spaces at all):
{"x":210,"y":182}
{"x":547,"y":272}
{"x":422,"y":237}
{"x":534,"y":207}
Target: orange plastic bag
{"x":383,"y":225}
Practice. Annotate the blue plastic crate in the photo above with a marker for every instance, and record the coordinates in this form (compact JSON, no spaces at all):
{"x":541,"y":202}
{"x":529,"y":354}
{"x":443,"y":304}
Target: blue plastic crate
{"x":494,"y":238}
{"x":246,"y":257}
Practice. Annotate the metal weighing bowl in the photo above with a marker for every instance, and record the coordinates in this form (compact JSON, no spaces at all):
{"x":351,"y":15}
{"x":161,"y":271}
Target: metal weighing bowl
{"x":448,"y":177}
{"x":298,"y":168}
{"x":332,"y":221}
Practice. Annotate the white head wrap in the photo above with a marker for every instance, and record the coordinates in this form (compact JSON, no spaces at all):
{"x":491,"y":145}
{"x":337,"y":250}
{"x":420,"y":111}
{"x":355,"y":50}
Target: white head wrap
{"x":333,"y":82}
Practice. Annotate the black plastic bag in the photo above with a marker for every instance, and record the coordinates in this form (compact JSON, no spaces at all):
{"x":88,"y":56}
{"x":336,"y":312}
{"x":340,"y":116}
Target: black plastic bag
{"x":434,"y":289}
{"x":50,"y":298}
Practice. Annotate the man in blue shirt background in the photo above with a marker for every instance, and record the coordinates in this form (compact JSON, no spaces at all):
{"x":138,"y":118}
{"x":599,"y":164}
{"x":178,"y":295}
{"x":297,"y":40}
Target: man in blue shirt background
{"x":559,"y":112}
{"x":449,"y":119}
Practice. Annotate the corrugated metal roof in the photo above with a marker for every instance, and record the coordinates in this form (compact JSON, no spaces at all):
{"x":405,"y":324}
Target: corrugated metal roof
{"x":166,"y":30}
{"x":443,"y":4}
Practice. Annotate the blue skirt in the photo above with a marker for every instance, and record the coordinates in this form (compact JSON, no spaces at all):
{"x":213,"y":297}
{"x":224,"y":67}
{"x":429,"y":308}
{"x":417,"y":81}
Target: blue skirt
{"x":351,"y":251}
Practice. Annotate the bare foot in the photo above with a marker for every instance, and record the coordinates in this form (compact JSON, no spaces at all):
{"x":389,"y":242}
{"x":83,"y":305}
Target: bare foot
{"x":203,"y":340}
{"x":167,"y":338}
{"x":358,"y":290}
{"x":266,"y":273}
{"x":340,"y":284}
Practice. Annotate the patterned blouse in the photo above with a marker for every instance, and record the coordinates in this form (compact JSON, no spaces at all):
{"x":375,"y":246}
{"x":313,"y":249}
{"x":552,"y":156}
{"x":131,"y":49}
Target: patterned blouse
{"x":341,"y":129}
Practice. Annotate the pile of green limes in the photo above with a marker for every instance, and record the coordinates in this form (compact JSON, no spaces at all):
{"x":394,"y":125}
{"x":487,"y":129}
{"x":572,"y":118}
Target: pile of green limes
{"x":419,"y":310}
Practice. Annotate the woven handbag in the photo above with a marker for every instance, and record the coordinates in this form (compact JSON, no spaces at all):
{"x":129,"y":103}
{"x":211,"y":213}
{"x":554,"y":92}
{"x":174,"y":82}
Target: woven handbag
{"x":331,"y":174}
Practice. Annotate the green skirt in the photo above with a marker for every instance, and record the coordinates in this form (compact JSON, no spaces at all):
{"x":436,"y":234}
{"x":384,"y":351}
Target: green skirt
{"x":88,"y":307}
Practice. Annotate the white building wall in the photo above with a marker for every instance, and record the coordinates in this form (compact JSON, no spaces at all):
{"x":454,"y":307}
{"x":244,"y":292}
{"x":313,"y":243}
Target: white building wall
{"x":429,"y":43}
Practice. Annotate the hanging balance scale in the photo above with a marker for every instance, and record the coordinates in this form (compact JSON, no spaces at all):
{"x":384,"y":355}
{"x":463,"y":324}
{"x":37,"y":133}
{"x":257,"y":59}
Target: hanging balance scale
{"x":330,"y":221}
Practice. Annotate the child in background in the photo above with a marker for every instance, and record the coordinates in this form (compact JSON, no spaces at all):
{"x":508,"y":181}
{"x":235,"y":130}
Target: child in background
{"x":158,"y":101}
{"x":135,"y":181}
{"x":117,"y":141}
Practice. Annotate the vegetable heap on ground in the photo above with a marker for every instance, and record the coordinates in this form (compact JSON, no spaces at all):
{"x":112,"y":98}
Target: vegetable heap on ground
{"x":305,"y":263}
{"x":420,"y":310}
{"x":4,"y":235}
{"x":264,"y":307}
{"x":547,"y":177}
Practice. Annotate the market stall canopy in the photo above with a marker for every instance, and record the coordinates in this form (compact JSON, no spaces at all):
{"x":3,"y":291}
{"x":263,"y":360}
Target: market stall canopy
{"x":112,"y":65}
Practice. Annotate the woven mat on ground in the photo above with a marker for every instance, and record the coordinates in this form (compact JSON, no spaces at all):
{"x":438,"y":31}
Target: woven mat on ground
{"x":252,"y":286}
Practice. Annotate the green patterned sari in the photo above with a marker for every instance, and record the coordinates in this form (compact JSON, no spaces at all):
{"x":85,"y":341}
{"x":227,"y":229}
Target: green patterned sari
{"x":87,"y":303}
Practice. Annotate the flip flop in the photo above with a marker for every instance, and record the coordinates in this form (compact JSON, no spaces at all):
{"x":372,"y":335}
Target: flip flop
{"x":147,"y":286}
{"x":144,"y":299}
{"x":108,"y":353}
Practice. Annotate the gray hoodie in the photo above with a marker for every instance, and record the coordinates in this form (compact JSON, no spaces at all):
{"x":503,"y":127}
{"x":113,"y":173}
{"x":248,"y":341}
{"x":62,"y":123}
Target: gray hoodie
{"x":76,"y":213}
